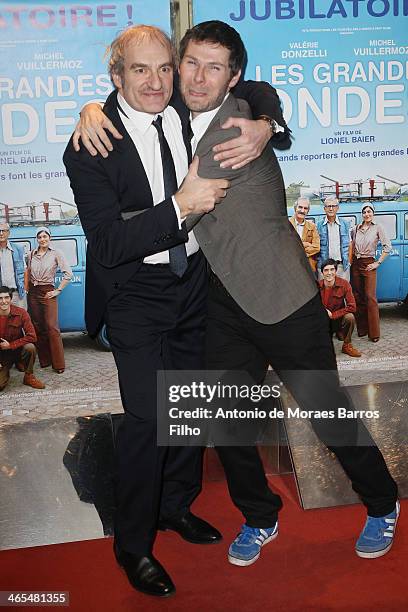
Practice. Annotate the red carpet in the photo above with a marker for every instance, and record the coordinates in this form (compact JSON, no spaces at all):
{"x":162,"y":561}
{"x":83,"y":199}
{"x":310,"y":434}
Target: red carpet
{"x":310,"y":566}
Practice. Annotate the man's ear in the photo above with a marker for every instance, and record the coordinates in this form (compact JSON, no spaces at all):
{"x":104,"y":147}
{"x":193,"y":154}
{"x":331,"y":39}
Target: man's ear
{"x":234,"y":80}
{"x":117,"y":80}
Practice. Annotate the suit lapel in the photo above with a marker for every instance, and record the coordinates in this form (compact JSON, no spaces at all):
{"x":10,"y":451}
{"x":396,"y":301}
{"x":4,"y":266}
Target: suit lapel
{"x":177,"y":103}
{"x":228,"y":107}
{"x":129,"y":159}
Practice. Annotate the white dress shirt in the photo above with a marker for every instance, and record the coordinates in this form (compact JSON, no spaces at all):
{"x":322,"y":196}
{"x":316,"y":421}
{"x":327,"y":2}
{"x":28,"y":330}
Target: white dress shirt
{"x":145,"y":138}
{"x":333,"y":233}
{"x":7,"y":273}
{"x":300,"y":228}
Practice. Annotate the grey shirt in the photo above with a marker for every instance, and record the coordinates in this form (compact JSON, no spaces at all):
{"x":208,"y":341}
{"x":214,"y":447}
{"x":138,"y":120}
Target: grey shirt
{"x":365,"y":239}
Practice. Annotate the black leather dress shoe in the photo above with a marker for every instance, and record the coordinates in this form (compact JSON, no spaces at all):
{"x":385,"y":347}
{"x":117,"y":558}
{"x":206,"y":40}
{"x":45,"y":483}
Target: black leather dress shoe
{"x":193,"y":529}
{"x":145,"y":574}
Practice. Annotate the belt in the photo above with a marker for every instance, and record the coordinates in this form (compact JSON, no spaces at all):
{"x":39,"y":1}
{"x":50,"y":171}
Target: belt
{"x":37,"y":284}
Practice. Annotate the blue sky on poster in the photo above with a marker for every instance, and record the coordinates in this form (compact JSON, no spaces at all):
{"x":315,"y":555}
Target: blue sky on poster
{"x":341,"y":70}
{"x":51,"y":63}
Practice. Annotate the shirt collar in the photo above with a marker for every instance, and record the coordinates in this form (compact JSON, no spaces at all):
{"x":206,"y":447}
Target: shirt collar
{"x":140,"y":120}
{"x":9,"y":246}
{"x":359,"y":226}
{"x":326,"y":221}
{"x":35,"y":251}
{"x":336,"y":283}
{"x":13,"y":310}
{"x":200,"y":123}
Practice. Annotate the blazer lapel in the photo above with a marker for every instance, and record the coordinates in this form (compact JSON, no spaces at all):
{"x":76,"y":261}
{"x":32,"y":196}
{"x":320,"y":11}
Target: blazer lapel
{"x":228,"y":107}
{"x":129,"y":159}
{"x":177,"y":103}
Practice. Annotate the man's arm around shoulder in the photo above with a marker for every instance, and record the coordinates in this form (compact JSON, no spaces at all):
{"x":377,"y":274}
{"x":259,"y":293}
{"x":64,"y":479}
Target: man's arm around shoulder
{"x":264,"y":101}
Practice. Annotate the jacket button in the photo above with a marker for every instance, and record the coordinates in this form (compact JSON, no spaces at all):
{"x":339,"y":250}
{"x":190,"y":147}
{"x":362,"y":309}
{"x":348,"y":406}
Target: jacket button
{"x":116,"y":285}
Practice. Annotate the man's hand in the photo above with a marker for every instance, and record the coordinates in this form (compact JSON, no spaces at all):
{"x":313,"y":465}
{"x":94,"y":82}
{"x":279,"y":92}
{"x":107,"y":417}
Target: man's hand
{"x":4,"y":344}
{"x":52,"y":294}
{"x":198,"y":195}
{"x":329,"y":313}
{"x":91,"y":129}
{"x":239,"y":151}
{"x":372,"y":266}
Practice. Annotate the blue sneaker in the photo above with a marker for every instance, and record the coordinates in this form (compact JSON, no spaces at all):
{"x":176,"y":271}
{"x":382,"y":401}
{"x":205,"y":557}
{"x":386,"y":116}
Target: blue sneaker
{"x":246,"y":547}
{"x":378,"y":535}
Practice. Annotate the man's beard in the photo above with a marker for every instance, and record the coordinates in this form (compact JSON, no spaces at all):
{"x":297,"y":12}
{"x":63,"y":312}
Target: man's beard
{"x":198,"y":106}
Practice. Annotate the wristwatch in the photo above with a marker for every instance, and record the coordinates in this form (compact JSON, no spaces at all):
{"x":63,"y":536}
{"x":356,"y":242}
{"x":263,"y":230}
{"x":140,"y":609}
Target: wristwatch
{"x":273,"y":125}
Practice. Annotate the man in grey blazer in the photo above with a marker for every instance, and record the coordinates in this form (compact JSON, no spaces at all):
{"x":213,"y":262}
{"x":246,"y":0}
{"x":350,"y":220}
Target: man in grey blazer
{"x":264,"y":306}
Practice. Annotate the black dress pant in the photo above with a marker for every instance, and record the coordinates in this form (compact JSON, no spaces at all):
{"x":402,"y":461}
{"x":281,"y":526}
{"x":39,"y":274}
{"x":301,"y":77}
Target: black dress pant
{"x":300,"y":350}
{"x":155,"y":322}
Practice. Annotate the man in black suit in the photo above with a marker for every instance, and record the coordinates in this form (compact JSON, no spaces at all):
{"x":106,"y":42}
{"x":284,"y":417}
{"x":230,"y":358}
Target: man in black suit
{"x":151,"y":293}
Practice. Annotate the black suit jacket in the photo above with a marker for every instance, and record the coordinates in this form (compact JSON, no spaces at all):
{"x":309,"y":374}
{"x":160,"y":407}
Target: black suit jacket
{"x":105,"y":189}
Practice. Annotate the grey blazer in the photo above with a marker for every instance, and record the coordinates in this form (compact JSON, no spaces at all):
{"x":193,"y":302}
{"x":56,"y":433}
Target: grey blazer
{"x":247,"y":239}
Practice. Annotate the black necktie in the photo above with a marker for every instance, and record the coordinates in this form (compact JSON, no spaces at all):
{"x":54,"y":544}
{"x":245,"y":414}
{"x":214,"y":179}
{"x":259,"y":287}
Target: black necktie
{"x":190,"y":136}
{"x":177,"y":254}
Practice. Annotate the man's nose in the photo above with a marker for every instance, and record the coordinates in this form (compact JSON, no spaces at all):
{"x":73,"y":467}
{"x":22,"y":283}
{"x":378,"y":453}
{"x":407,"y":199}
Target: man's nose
{"x":155,"y":81}
{"x":199,"y":74}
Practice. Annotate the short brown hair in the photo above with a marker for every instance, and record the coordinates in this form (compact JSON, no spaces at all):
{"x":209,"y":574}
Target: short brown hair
{"x":140,"y":34}
{"x":217,"y":32}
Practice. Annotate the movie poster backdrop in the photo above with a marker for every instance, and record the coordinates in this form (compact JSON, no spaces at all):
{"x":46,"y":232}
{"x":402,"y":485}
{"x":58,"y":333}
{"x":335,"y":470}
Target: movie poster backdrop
{"x":52,"y":61}
{"x":341,"y":69}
